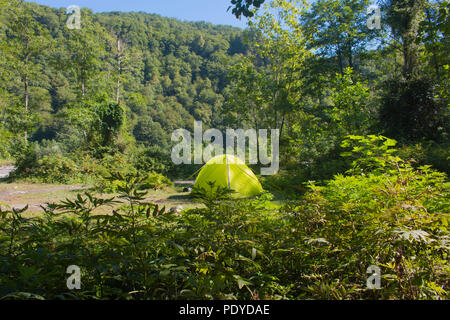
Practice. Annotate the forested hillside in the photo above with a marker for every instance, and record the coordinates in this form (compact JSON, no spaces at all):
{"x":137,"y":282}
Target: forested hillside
{"x":358,"y":210}
{"x":120,"y":85}
{"x":162,"y":72}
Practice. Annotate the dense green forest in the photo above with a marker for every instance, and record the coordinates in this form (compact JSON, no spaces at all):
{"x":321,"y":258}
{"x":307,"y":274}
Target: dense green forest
{"x":162,"y":72}
{"x":98,"y":106}
{"x":120,"y":85}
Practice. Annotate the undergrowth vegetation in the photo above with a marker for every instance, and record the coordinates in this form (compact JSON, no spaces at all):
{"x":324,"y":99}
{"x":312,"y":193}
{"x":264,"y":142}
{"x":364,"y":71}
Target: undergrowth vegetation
{"x":46,"y":164}
{"x":382,"y":212}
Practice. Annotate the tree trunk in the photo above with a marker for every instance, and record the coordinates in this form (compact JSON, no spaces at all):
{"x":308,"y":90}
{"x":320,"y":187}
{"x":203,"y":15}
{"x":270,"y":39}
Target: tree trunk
{"x":119,"y":69}
{"x":433,"y":45}
{"x":26,"y":108}
{"x":350,"y":54}
{"x":26,"y":90}
{"x":341,"y":67}
{"x":407,"y":59}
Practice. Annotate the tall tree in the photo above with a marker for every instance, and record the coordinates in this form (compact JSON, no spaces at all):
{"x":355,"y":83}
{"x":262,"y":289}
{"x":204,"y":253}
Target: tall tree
{"x":404,"y":17}
{"x":27,"y":40}
{"x":4,"y":77}
{"x":272,"y":77}
{"x":338,"y":28}
{"x":413,"y":107}
{"x":86,"y":48}
{"x":434,"y":33}
{"x":119,"y":30}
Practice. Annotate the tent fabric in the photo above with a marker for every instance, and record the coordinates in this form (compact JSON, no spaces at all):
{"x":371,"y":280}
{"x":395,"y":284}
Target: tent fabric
{"x":229,"y":172}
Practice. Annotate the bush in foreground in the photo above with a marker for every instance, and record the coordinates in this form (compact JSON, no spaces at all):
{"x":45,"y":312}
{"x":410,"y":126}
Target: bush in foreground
{"x":382,"y":212}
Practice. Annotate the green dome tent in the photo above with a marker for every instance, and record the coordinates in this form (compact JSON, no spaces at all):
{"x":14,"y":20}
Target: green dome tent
{"x":229,"y":172}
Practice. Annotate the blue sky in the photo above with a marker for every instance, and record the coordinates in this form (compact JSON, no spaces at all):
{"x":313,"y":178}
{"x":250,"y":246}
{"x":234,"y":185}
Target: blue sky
{"x":214,"y":11}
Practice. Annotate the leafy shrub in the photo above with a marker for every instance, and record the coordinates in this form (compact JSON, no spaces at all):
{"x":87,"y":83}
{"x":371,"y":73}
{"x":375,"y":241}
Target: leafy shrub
{"x":25,"y":157}
{"x":152,"y":159}
{"x":410,"y":110}
{"x":395,"y":222}
{"x":44,"y":163}
{"x":120,"y":165}
{"x":137,"y":252}
{"x":371,"y":153}
{"x":428,"y":152}
{"x":55,"y":169}
{"x":317,"y":247}
{"x":156,"y":181}
{"x":284,"y":184}
{"x":5,"y":136}
{"x":155,"y":159}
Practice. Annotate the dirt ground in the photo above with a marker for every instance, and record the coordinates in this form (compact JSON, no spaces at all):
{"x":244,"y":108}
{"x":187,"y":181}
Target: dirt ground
{"x":18,"y":195}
